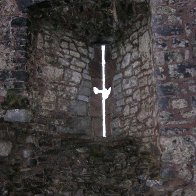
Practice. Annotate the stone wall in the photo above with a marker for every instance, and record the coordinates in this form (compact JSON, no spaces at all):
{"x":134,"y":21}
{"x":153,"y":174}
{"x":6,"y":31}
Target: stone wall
{"x":173,"y":27}
{"x":60,"y":84}
{"x":133,"y":90}
{"x":37,"y":158}
{"x":40,"y":163}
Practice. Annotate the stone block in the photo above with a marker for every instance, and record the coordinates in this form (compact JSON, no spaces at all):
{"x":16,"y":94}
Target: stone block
{"x":130,"y":82}
{"x":18,"y":115}
{"x":179,"y":103}
{"x":20,"y":75}
{"x":76,"y":77}
{"x":144,"y":45}
{"x":79,"y":108}
{"x":83,"y":51}
{"x":75,"y":68}
{"x":126,"y":111}
{"x":86,"y":76}
{"x":74,"y":54}
{"x":170,"y":30}
{"x":87,"y":84}
{"x":78,"y":63}
{"x":82,"y":125}
{"x":70,"y":92}
{"x":163,"y":103}
{"x":120,"y":102}
{"x":20,"y":22}
{"x":182,"y":70}
{"x":165,"y":10}
{"x":64,"y":62}
{"x":179,"y":43}
{"x":5,"y":148}
{"x":85,"y":91}
{"x":176,"y":57}
{"x":52,"y":73}
{"x":126,"y":60}
{"x":117,"y":76}
{"x":83,"y":98}
{"x":178,"y":150}
{"x":167,"y":89}
{"x":64,"y":45}
{"x":128,"y":72}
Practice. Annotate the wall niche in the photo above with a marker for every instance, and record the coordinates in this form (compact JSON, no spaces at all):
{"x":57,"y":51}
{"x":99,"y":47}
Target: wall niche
{"x":65,"y":65}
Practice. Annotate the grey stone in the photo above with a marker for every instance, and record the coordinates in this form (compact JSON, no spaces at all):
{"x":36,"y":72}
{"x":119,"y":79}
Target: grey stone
{"x":27,"y":153}
{"x":154,"y":183}
{"x":85,"y":91}
{"x":117,"y":76}
{"x":64,"y":62}
{"x":82,"y":150}
{"x":130,"y":82}
{"x":64,"y":45}
{"x":117,"y":89}
{"x":86,"y":76}
{"x":179,"y":103}
{"x":75,"y":68}
{"x":83,"y":51}
{"x":128,"y":72}
{"x":126,"y":60}
{"x":76,"y":77}
{"x":165,"y":10}
{"x":126,"y":110}
{"x":52,"y":73}
{"x":120,"y":102}
{"x":79,"y":108}
{"x":86,"y":83}
{"x":178,"y":192}
{"x":78,"y":63}
{"x":83,"y":98}
{"x":74,"y":54}
{"x":178,"y":150}
{"x":18,"y":115}
{"x":115,"y":123}
{"x":72,"y":47}
{"x":5,"y":148}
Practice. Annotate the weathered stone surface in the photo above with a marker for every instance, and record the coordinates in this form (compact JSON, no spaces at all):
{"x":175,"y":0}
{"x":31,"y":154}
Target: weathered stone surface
{"x":179,"y":103}
{"x":129,"y":83}
{"x":126,"y":60}
{"x":162,"y":101}
{"x":5,"y":148}
{"x":18,"y":115}
{"x":83,"y":98}
{"x":80,"y":108}
{"x":178,"y":150}
{"x":52,"y":73}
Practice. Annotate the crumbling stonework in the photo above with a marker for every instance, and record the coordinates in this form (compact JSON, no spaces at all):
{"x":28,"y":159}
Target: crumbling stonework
{"x":57,"y":164}
{"x":49,"y":115}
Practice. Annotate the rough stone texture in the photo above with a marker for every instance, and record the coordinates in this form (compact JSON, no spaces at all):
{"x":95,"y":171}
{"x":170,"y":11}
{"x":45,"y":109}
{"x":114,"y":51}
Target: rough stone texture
{"x":60,"y":82}
{"x":17,"y":116}
{"x":46,"y":70}
{"x":133,"y":92}
{"x":57,"y":164}
{"x":5,"y":148}
{"x":173,"y":29}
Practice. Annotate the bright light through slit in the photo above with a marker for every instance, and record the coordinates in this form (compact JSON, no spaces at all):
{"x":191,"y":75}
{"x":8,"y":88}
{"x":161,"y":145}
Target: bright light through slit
{"x":105,"y":92}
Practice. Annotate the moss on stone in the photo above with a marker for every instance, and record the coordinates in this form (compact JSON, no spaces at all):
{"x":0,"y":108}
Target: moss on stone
{"x":14,"y":100}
